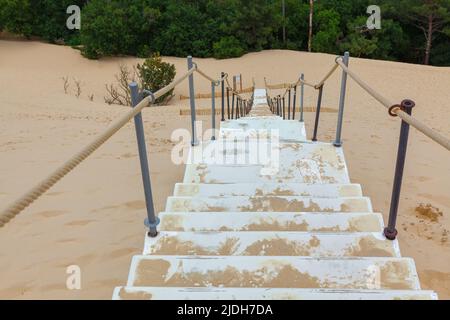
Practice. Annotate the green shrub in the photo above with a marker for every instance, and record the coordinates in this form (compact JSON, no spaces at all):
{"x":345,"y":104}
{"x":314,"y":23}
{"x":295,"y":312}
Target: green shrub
{"x":17,"y":16}
{"x":41,"y":18}
{"x":122,"y":27}
{"x":228,"y":47}
{"x":154,"y":74}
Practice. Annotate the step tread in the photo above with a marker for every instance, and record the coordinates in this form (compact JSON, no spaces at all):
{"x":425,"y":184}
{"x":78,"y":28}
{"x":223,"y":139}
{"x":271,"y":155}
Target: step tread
{"x":296,"y":134}
{"x":274,"y":272}
{"x":160,"y":293}
{"x":269,"y":189}
{"x":269,"y":243}
{"x":269,"y":203}
{"x":219,"y":174}
{"x":270,"y":221}
{"x":275,"y":162}
{"x":285,"y":129}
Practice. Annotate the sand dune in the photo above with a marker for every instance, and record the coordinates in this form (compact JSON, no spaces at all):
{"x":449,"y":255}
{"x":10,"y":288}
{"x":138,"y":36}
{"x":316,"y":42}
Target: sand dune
{"x":93,"y":218}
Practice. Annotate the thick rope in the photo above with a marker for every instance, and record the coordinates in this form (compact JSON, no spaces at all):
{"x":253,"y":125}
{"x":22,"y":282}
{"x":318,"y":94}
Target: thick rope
{"x":32,"y":195}
{"x":327,"y":76}
{"x":218,"y":94}
{"x":289,"y":86}
{"x":236,"y":93}
{"x":204,"y":75}
{"x":434,"y":135}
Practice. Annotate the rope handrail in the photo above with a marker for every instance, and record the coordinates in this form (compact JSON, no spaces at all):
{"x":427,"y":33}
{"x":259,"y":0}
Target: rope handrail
{"x":236,"y":93}
{"x":327,"y":76}
{"x":204,"y":75}
{"x":218,"y":95}
{"x":422,"y":127}
{"x":289,"y":86}
{"x":38,"y":190}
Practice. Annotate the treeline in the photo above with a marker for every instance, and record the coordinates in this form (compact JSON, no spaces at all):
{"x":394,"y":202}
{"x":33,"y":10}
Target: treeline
{"x":414,"y":31}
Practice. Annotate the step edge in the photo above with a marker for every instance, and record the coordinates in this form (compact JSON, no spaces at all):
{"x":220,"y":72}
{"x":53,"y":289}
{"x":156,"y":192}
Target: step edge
{"x":215,"y":290}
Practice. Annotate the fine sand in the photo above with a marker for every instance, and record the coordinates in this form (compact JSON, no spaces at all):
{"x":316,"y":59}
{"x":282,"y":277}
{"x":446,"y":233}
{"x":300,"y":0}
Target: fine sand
{"x":94,"y":217}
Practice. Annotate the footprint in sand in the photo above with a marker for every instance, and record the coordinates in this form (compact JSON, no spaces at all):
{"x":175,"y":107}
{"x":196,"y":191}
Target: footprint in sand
{"x":69,"y":240}
{"x":424,"y":179}
{"x":134,"y":205}
{"x":128,"y":156}
{"x":119,"y":253}
{"x":54,"y":193}
{"x":51,"y":213}
{"x":54,"y":287}
{"x":79,"y":223}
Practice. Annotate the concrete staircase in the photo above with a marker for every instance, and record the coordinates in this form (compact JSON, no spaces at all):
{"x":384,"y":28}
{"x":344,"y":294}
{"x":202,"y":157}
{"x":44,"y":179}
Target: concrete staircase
{"x":292,"y":226}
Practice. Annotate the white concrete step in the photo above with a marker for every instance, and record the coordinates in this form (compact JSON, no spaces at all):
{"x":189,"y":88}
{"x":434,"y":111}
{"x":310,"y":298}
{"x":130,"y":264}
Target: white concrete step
{"x":241,"y":162}
{"x":259,"y":174}
{"x":270,"y":221}
{"x":267,"y":149}
{"x":152,"y":293}
{"x":274,"y":272}
{"x":240,"y":134}
{"x":268,"y":189}
{"x":287,"y":129}
{"x":270,"y":203}
{"x":270,"y":117}
{"x":260,"y":96}
{"x":271,"y":244}
{"x":260,"y":111}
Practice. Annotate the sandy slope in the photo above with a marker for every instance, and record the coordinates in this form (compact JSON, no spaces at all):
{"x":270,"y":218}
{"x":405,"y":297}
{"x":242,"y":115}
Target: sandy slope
{"x":93,"y":218}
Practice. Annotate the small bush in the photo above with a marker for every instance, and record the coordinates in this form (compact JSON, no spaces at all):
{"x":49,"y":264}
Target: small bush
{"x":228,"y":47}
{"x":119,"y":93}
{"x":152,"y":75}
{"x":155,"y":74}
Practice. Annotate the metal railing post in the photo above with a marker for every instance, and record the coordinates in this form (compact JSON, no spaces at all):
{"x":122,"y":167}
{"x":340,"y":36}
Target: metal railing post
{"x":338,"y":141}
{"x":284,"y":107}
{"x":289,"y":105}
{"x":241,"y":108}
{"x":213,"y":107}
{"x":295,"y":103}
{"x":152,"y":221}
{"x":391,"y":232}
{"x":228,"y":103}
{"x":302,"y":98}
{"x":319,"y":105}
{"x":190,"y":63}
{"x":279,"y":106}
{"x":223,"y":96}
{"x":232,"y":106}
